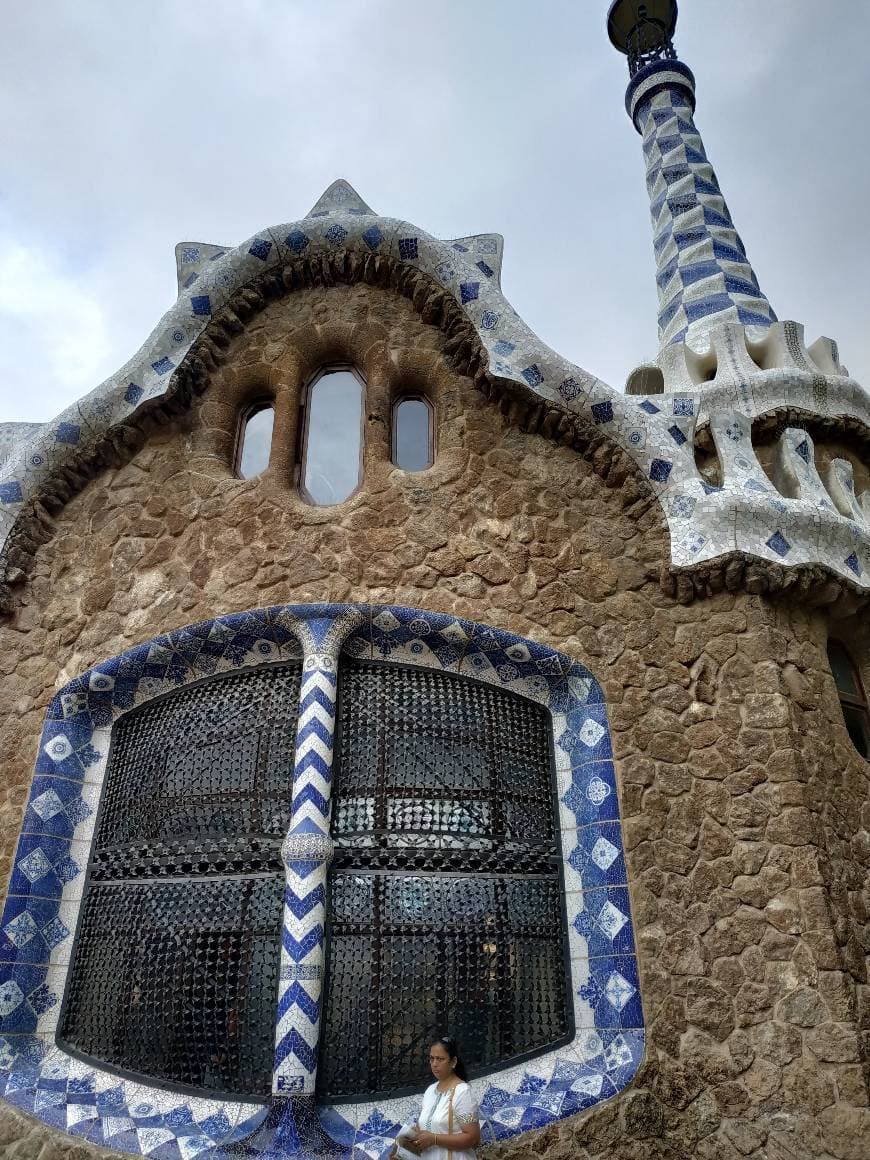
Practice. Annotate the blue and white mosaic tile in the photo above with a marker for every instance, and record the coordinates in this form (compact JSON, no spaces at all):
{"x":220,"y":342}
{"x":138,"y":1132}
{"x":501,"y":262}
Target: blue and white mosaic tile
{"x":49,"y":870}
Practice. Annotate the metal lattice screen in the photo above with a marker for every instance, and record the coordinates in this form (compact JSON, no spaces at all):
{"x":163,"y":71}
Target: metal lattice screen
{"x":445,"y":896}
{"x":176,"y":964}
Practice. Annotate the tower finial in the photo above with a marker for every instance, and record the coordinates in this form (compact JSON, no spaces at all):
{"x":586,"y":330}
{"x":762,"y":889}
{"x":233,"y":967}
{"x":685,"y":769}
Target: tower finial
{"x":703,"y":274}
{"x":643,"y":31}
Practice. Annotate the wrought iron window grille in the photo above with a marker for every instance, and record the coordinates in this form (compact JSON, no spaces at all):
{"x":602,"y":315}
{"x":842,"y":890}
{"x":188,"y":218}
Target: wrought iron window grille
{"x":175,"y":969}
{"x":445,"y":894}
{"x":446,"y":904}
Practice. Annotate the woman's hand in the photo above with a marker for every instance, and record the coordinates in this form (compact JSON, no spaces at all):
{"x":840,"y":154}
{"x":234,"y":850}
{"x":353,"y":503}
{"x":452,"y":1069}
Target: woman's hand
{"x":411,"y":1142}
{"x":467,"y":1137}
{"x":424,"y":1140}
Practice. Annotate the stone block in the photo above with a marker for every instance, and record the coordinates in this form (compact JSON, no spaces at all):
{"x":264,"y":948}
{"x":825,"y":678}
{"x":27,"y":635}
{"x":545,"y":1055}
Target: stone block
{"x":833,"y":1043}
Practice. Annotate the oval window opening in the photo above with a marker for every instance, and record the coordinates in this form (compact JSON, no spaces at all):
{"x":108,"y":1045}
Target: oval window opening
{"x":853,"y":700}
{"x":256,"y":441}
{"x":412,"y":435}
{"x":333,"y":438}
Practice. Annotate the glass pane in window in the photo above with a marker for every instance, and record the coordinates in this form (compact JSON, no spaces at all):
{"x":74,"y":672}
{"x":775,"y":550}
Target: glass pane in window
{"x":256,"y":443}
{"x":412,"y":438}
{"x":857,"y":725}
{"x":334,"y":438}
{"x":843,"y":669}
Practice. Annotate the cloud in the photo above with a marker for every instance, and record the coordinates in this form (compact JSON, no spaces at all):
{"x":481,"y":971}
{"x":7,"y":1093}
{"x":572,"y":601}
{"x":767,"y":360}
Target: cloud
{"x":150,"y":124}
{"x":54,"y":345}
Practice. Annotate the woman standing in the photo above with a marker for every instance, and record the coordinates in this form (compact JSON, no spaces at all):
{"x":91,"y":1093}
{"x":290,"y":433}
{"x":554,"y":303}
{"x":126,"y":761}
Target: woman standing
{"x":449,"y":1124}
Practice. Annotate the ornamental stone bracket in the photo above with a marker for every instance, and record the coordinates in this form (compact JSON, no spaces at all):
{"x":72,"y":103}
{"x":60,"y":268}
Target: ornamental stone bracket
{"x":783,"y":530}
{"x":745,"y":531}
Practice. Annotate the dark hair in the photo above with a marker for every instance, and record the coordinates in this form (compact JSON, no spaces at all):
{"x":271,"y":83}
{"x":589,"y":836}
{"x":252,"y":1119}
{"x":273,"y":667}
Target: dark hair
{"x":452,"y":1048}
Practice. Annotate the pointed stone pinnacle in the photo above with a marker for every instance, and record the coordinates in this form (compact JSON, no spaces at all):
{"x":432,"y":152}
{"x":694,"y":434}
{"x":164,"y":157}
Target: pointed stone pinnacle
{"x":341,"y":196}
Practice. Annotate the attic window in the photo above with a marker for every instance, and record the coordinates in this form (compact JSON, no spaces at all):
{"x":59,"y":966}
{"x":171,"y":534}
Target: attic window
{"x":255,"y":440}
{"x":413,"y":442}
{"x":332,"y":443}
{"x":853,"y":699}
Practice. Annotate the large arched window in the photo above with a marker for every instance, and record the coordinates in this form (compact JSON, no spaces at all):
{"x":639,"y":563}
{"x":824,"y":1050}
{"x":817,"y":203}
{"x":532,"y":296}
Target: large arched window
{"x":853,"y":699}
{"x":173,"y":914}
{"x":445,"y":901}
{"x":413,"y":437}
{"x":332,"y":440}
{"x":254,"y":442}
{"x":446,"y":904}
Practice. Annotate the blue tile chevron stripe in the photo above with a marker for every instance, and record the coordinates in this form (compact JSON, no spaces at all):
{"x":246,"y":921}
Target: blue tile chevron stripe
{"x":310,"y":793}
{"x":316,"y":695}
{"x":300,"y":906}
{"x":735,"y":285}
{"x":299,"y":949}
{"x":313,"y":760}
{"x":297,"y":996}
{"x":751,"y":318}
{"x":294,"y":1044}
{"x":314,"y":724}
{"x":709,"y":304}
{"x":698,"y":270}
{"x":704,"y":186}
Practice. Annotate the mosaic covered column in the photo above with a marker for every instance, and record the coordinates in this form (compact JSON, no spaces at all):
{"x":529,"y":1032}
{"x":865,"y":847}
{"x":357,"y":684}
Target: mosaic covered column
{"x":702,"y":272}
{"x":306,"y":853}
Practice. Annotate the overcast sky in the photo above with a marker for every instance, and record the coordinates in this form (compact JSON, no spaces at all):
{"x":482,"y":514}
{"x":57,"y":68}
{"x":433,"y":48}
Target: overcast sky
{"x":128,"y":127}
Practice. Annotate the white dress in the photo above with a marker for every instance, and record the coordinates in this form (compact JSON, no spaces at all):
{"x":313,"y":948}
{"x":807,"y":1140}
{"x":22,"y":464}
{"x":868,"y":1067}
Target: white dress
{"x":436,"y":1116}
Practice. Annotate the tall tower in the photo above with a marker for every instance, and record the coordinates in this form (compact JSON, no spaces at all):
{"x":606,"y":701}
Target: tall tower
{"x":703,"y":274}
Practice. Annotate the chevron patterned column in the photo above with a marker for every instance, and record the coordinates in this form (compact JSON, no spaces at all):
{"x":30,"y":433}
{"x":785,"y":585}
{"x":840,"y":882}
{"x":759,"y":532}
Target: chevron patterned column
{"x":703,"y":275}
{"x":702,"y":271}
{"x":306,"y":852}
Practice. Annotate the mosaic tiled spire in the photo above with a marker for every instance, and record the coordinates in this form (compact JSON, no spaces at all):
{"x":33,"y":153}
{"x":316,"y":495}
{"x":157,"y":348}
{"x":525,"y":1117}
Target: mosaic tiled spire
{"x":703,"y":274}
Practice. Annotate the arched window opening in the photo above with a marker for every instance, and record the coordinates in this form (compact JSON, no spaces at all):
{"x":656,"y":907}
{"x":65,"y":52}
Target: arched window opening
{"x":853,"y":699}
{"x":255,"y":440}
{"x":413,"y":434}
{"x":332,"y":447}
{"x":445,"y":896}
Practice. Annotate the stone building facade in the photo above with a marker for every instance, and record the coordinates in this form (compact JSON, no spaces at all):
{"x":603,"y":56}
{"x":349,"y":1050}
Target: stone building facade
{"x":654,"y":579}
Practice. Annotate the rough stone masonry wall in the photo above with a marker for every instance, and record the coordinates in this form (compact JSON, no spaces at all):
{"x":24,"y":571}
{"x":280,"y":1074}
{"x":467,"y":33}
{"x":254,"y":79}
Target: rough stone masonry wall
{"x":749,"y":856}
{"x":746,"y":810}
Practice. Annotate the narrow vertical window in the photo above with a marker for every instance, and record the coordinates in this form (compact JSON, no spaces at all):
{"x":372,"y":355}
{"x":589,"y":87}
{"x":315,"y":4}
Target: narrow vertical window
{"x":413,"y":435}
{"x":332,"y":453}
{"x":853,"y":699}
{"x":255,"y":440}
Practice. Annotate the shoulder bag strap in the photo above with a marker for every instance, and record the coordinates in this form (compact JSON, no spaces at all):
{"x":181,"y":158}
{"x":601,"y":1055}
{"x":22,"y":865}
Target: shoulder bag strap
{"x":450,"y":1119}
